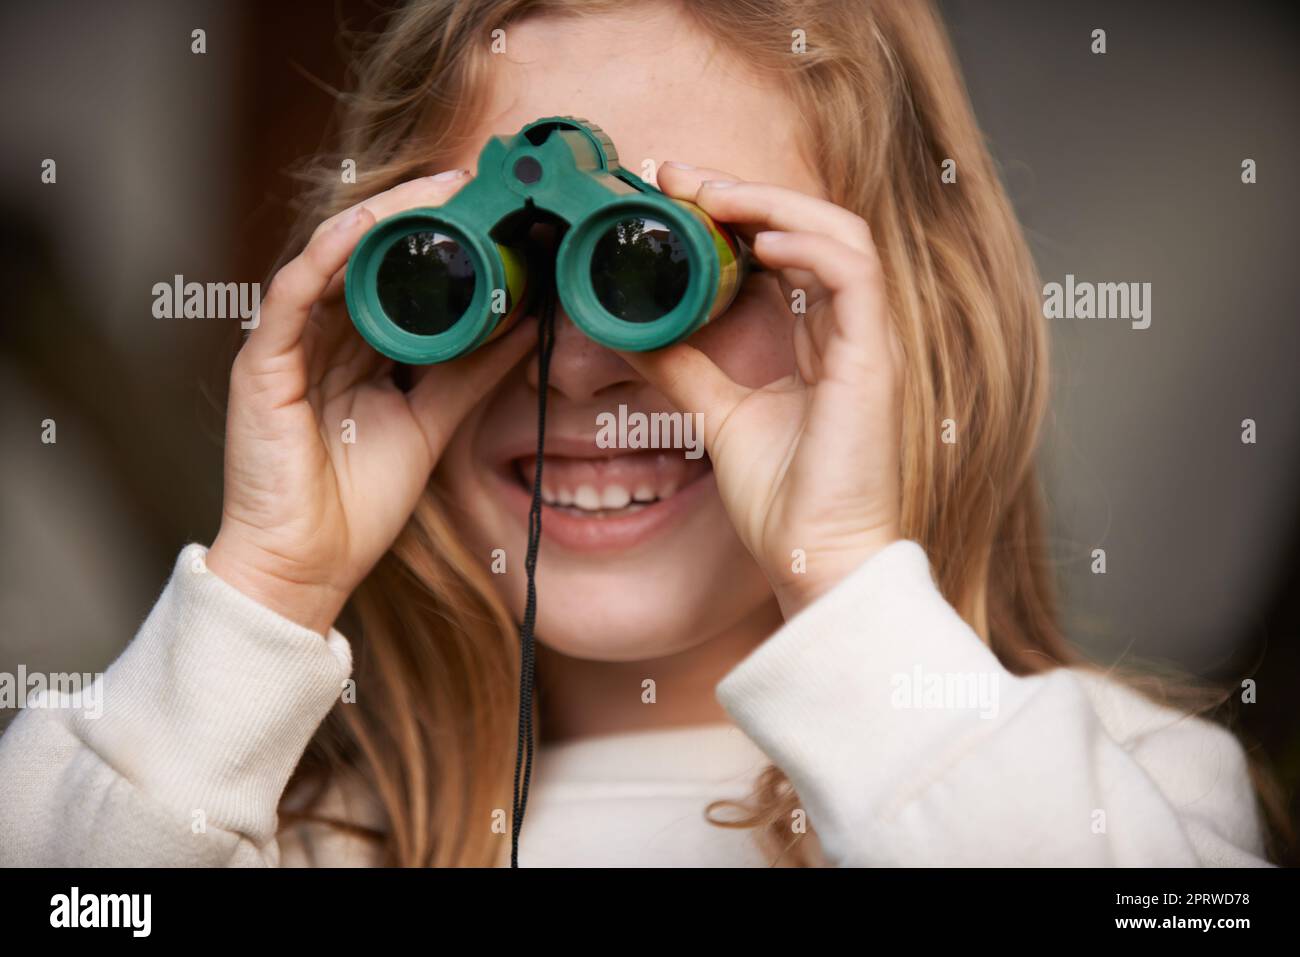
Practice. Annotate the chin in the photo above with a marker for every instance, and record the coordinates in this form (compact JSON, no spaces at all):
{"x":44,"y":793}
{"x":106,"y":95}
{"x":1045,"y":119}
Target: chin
{"x":615,"y":627}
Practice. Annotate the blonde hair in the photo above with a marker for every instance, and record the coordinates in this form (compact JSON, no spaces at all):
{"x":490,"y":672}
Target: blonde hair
{"x":437,"y":661}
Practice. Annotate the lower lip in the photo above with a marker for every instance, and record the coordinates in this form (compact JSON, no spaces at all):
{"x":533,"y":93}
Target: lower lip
{"x":612,"y":533}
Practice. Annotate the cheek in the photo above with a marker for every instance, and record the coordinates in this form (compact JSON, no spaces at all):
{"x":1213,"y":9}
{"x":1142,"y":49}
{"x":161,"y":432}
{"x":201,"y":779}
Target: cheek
{"x":461,"y":470}
{"x":752,"y":341}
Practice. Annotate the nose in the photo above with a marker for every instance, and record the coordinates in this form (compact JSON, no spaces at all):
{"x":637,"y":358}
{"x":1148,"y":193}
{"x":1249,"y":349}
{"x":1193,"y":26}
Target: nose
{"x":581,"y":369}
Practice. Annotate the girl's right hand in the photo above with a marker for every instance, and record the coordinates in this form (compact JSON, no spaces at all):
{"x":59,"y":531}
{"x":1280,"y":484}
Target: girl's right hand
{"x":305,"y":515}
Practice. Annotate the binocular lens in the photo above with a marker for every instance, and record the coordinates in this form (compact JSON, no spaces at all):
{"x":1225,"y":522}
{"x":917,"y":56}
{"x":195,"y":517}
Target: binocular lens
{"x":425,"y":282}
{"x":640,"y":270}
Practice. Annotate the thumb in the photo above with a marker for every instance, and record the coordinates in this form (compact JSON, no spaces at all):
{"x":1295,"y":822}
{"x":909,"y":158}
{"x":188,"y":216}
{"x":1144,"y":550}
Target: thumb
{"x":449,"y":390}
{"x":691,"y":381}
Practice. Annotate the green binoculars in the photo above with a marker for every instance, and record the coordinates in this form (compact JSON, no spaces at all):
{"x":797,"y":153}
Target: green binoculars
{"x":634,"y":268}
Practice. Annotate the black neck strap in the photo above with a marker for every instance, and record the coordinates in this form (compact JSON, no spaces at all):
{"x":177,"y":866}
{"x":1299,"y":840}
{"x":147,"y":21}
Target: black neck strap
{"x":524,"y":751}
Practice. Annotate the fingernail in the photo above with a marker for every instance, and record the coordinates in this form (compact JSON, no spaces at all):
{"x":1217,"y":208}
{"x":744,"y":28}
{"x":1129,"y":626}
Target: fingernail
{"x":349,"y":219}
{"x":719,"y":183}
{"x":768,"y":236}
{"x":676,"y":165}
{"x":448,"y":175}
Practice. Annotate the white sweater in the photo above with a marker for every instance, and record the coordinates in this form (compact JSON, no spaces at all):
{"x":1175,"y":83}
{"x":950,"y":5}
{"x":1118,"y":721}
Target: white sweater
{"x":859,"y":699}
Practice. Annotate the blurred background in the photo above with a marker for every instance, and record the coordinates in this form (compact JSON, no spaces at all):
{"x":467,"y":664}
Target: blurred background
{"x":1124,"y":167}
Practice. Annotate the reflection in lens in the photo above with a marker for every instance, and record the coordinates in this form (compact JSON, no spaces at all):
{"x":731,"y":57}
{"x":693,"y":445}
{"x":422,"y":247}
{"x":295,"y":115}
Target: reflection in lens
{"x":425,"y":283}
{"x":639,"y":270}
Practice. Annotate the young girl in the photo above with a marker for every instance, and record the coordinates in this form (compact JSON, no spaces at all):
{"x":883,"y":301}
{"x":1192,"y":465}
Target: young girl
{"x":831,"y":641}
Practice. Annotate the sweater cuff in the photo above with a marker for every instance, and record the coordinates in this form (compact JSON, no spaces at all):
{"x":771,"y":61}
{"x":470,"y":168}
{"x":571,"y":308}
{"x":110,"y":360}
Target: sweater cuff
{"x":868,"y":688}
{"x":211,"y":706}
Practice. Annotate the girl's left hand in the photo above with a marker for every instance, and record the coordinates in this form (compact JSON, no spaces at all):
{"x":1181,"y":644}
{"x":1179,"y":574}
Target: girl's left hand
{"x":808,"y":465}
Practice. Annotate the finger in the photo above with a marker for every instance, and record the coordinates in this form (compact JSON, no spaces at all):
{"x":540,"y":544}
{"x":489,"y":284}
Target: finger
{"x":794,"y":280}
{"x":692,"y":381}
{"x":334,"y":290}
{"x":683,"y":180}
{"x":349,"y":360}
{"x":806,"y":358}
{"x":412,"y":194}
{"x":449,"y":390}
{"x":327,"y":330}
{"x":299,"y":284}
{"x":854,"y":280}
{"x":765,"y":206}
{"x":328,"y":325}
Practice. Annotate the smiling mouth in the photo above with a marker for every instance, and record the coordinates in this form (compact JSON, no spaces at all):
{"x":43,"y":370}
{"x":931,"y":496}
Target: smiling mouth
{"x":610,"y":487}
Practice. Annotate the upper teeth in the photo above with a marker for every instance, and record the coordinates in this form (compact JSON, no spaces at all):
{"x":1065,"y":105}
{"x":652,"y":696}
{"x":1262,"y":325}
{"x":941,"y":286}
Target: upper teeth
{"x":590,"y":499}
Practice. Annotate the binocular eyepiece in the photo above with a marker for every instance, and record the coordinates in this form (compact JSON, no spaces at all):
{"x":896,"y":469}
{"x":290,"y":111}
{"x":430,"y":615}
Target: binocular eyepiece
{"x":634,"y":268}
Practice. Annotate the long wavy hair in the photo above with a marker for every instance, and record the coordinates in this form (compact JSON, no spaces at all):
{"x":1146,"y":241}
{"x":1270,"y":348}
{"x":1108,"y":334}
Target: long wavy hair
{"x":437,"y":653}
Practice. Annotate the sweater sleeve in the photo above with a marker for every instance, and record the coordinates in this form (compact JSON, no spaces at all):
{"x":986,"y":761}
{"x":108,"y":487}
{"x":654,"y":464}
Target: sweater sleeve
{"x":909,"y":743}
{"x":180,"y":752}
